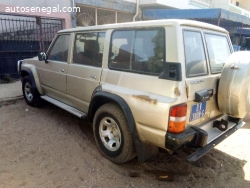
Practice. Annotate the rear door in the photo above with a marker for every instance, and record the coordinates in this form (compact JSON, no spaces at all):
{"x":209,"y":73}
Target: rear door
{"x":205,"y":55}
{"x":84,"y":71}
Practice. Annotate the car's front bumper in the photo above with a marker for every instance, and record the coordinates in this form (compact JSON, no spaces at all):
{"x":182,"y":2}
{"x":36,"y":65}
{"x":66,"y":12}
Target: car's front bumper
{"x":197,"y":139}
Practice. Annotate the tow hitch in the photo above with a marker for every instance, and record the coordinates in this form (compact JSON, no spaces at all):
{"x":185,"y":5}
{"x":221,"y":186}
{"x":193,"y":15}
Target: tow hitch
{"x":222,"y":125}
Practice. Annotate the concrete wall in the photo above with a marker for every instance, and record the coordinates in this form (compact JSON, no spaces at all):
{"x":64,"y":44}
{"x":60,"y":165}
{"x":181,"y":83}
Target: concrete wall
{"x":4,"y":4}
{"x":245,"y":4}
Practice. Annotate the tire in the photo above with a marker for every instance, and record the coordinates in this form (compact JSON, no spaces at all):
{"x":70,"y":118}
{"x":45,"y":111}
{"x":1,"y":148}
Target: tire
{"x":30,"y":93}
{"x":234,"y":85}
{"x":109,"y":123}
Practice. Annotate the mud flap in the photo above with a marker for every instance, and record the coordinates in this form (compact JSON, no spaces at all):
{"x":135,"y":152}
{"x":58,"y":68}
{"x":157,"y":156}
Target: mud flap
{"x":145,"y":151}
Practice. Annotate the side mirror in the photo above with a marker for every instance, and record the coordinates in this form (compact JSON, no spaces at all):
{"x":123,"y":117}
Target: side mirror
{"x":42,"y":57}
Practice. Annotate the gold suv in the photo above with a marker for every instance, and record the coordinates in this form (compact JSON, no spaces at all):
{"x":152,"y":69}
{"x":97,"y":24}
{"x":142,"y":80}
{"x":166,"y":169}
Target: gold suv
{"x":145,"y":85}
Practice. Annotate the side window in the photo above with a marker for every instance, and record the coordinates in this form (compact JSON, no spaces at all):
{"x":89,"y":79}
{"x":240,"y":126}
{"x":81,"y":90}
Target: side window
{"x":59,"y":50}
{"x":141,"y":51}
{"x":194,"y":53}
{"x":88,"y":49}
{"x":121,"y":50}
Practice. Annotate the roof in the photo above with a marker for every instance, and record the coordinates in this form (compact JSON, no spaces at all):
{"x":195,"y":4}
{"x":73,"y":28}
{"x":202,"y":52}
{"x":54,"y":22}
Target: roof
{"x":221,"y":17}
{"x":151,"y":23}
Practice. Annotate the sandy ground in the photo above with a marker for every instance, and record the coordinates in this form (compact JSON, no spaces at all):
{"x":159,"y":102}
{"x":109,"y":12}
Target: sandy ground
{"x":48,"y":147}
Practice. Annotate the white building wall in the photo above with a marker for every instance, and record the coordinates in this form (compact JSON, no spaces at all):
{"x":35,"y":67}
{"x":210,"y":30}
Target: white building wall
{"x":224,"y":4}
{"x":245,"y":4}
{"x":178,"y":4}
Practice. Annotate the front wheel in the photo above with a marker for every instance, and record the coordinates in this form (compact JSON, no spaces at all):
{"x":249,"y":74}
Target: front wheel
{"x":112,"y":134}
{"x":31,"y":95}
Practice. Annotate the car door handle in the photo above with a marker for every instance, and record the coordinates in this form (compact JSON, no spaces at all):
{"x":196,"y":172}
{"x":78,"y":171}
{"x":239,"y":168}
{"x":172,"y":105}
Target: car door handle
{"x":93,"y":76}
{"x":62,"y":70}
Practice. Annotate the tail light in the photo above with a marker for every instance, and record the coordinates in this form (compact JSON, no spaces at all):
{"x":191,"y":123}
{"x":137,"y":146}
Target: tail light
{"x":177,"y":121}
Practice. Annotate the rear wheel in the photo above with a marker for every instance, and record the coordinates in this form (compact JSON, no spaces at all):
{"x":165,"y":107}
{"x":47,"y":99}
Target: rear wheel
{"x":112,"y":134}
{"x":31,"y":95}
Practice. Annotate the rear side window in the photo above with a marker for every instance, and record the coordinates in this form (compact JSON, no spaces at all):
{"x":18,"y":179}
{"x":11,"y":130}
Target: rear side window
{"x":194,"y":53}
{"x":218,"y":51}
{"x":140,"y":51}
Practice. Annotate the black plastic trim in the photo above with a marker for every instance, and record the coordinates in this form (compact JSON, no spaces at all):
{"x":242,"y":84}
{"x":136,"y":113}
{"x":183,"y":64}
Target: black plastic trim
{"x":172,"y":71}
{"x":175,"y":141}
{"x":201,"y":96}
{"x":144,"y":151}
{"x":31,"y":76}
{"x":120,"y":101}
{"x":196,"y":139}
{"x":200,"y":139}
{"x":199,"y":153}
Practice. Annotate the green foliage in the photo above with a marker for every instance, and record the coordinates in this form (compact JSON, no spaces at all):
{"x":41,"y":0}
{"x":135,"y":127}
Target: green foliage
{"x":156,"y":62}
{"x":6,"y":79}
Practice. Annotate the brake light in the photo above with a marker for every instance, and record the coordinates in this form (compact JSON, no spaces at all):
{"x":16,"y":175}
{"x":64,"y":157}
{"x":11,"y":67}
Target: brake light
{"x":177,"y":121}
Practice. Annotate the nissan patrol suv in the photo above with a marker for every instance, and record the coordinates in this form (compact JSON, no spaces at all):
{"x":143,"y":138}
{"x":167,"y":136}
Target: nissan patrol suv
{"x":169,"y":84}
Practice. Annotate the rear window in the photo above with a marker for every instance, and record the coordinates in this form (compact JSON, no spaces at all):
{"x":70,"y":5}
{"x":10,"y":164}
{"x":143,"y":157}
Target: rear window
{"x":196,"y":64}
{"x":218,"y":51}
{"x":141,"y":51}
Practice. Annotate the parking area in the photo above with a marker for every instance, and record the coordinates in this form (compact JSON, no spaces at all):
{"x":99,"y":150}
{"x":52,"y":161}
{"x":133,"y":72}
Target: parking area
{"x":48,"y":147}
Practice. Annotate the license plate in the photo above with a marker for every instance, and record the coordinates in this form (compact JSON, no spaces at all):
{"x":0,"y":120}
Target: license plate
{"x":198,"y":111}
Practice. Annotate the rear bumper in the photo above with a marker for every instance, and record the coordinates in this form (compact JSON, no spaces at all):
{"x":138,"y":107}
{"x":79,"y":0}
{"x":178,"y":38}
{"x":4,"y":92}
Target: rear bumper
{"x":196,"y":138}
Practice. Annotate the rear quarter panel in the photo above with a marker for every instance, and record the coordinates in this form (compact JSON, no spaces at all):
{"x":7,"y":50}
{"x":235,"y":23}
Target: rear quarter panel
{"x":148,"y":97}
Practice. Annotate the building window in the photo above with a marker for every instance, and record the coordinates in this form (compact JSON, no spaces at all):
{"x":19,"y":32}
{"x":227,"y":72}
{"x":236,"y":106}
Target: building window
{"x":205,"y":3}
{"x":89,"y":16}
{"x":237,"y":3}
{"x":124,"y":17}
{"x":105,"y":17}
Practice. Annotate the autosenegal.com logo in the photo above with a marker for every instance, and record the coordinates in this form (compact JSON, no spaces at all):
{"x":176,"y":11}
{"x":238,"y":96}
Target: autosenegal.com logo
{"x":48,"y":10}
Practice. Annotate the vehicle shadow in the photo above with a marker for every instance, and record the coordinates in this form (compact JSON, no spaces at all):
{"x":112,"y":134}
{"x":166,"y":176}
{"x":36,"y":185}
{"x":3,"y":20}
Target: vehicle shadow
{"x":215,"y":169}
{"x":247,"y":118}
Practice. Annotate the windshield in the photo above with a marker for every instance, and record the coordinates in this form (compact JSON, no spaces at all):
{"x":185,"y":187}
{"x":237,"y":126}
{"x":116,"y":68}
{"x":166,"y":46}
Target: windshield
{"x":218,"y":51}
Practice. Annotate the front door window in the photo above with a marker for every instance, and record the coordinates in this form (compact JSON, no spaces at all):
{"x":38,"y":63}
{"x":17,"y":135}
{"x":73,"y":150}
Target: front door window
{"x":59,"y":51}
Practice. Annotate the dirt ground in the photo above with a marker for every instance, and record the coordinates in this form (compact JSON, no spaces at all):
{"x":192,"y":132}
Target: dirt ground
{"x":48,"y":147}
